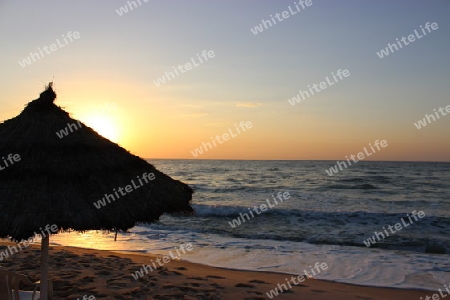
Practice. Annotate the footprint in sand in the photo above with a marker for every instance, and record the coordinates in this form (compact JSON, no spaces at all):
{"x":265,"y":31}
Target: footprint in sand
{"x":188,"y":289}
{"x":175,"y":273}
{"x":255,"y":292}
{"x":104,"y":272}
{"x":193,"y":284}
{"x":87,"y":279}
{"x":169,"y":287}
{"x":217,"y":286}
{"x":258,"y":281}
{"x":215,"y":277}
{"x":197,"y":278}
{"x":245,"y":285}
{"x":70,"y":276}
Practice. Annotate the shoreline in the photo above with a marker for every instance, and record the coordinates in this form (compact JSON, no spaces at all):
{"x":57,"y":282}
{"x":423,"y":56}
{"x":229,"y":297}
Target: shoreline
{"x":106,"y":274}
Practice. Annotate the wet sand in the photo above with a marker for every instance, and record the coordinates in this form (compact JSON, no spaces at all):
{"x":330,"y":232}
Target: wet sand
{"x":76,"y":272}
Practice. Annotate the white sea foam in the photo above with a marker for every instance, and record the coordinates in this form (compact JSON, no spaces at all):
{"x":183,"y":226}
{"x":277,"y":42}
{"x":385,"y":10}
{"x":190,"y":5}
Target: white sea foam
{"x":373,"y":267}
{"x":326,"y":219}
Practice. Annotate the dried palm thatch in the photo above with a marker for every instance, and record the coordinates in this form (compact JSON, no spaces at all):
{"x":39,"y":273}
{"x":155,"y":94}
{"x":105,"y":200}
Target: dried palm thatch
{"x":57,"y":180}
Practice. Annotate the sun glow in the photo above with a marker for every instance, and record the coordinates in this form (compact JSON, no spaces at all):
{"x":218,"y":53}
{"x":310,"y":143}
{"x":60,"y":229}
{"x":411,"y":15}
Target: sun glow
{"x":104,"y":125}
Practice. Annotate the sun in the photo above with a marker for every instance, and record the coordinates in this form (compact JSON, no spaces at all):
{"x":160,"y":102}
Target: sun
{"x":104,"y":125}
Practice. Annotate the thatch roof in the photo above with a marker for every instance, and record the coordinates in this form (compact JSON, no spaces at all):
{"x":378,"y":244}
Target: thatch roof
{"x":57,"y":180}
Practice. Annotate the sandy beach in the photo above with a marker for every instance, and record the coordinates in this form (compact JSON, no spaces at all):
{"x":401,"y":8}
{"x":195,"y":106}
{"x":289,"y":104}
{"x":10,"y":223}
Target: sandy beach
{"x":214,"y":150}
{"x":77,"y":272}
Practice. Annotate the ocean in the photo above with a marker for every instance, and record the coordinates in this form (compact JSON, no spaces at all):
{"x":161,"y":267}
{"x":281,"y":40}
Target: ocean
{"x":325,"y":219}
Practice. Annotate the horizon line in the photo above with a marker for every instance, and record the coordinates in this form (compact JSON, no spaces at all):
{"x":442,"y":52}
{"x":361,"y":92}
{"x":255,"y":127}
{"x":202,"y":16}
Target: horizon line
{"x":234,"y":159}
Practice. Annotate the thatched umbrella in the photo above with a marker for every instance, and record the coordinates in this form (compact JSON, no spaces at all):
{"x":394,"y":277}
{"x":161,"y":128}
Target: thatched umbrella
{"x":46,"y":179}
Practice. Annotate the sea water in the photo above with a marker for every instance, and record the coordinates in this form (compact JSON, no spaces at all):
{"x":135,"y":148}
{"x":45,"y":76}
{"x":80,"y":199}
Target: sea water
{"x":326,"y":219}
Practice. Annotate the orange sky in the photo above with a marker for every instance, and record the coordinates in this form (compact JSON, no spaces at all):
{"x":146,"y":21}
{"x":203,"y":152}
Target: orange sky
{"x":106,"y":78}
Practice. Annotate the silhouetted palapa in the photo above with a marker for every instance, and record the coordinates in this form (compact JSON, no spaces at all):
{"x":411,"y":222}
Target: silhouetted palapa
{"x":47,"y":179}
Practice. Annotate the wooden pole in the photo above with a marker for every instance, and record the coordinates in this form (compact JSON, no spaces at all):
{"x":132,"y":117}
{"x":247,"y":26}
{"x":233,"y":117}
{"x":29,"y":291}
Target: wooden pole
{"x":44,"y":267}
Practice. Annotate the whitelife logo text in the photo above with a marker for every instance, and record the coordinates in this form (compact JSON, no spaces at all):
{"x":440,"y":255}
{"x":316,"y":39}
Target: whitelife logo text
{"x":223,"y":138}
{"x":124,"y":191}
{"x":34,"y":56}
{"x":411,"y":38}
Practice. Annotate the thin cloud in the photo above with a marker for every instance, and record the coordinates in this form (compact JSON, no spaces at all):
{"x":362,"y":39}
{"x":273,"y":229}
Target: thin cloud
{"x":195,"y":115}
{"x":248,"y":104}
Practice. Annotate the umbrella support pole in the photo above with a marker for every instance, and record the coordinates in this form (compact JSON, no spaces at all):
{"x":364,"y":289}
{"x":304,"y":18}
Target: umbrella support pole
{"x":44,"y":267}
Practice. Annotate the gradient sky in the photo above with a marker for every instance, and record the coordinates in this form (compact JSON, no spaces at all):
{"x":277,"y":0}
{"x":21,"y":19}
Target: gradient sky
{"x":106,"y":77}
